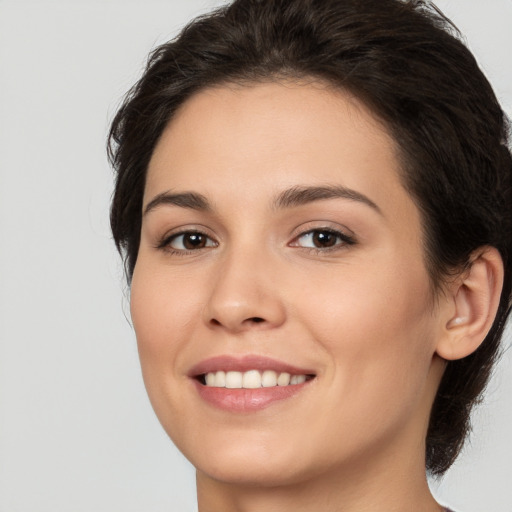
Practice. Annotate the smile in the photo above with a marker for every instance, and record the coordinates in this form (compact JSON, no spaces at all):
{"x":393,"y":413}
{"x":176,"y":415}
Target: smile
{"x":249,"y":383}
{"x":252,"y":379}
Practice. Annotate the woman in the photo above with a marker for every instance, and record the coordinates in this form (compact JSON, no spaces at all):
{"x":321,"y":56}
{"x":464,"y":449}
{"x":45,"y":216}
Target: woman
{"x":313,"y":200}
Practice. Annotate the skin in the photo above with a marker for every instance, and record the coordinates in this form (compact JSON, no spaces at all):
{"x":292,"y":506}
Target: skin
{"x":359,"y":314}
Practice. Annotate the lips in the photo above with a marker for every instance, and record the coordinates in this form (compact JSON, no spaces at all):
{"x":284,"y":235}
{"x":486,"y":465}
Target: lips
{"x":244,"y":364}
{"x":249,"y":383}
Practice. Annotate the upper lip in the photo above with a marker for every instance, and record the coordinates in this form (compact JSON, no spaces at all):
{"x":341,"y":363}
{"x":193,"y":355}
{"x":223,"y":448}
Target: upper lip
{"x":244,"y":364}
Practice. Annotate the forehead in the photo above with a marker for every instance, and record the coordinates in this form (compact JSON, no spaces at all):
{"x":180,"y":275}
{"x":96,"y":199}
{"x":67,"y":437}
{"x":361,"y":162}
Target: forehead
{"x":258,"y":139}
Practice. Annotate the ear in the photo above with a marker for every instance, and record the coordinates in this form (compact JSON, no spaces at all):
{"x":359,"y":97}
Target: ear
{"x":472,"y":304}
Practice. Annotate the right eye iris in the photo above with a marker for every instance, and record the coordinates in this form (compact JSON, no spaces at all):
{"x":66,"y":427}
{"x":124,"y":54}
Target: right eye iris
{"x":324,"y":238}
{"x":193,"y":241}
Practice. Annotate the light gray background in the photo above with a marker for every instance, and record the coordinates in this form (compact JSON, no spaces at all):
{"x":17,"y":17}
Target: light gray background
{"x":77,"y":433}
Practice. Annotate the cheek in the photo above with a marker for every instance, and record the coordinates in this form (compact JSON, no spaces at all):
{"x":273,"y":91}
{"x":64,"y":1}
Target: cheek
{"x":163,"y":305}
{"x":377,"y":333}
{"x":376,"y":326}
{"x":162,"y":318}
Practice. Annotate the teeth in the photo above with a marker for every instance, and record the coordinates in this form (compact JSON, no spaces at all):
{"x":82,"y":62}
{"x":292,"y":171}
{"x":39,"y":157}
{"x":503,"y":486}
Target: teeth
{"x":252,"y":379}
{"x":220,"y":379}
{"x":210,"y":379}
{"x":283,"y":379}
{"x":297,"y":379}
{"x":234,"y":380}
{"x":269,"y":379}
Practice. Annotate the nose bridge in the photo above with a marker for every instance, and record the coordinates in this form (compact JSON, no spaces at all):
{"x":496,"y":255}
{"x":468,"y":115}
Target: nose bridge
{"x":244,"y":294}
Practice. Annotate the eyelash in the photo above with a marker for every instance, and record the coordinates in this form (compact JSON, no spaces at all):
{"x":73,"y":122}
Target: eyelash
{"x":165,"y":242}
{"x":342,"y":240}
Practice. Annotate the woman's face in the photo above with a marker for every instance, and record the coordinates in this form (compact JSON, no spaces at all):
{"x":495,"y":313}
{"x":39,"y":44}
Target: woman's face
{"x":277,"y":239}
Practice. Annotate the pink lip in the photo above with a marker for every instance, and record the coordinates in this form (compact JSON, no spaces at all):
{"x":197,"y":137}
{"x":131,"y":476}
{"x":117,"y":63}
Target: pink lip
{"x":244,"y":364}
{"x":245,"y":400}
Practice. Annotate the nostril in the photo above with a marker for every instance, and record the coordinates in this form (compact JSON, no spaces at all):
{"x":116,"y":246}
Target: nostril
{"x":235,"y":324}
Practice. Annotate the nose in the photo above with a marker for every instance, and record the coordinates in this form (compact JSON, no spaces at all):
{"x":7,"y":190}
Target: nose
{"x":245,"y":294}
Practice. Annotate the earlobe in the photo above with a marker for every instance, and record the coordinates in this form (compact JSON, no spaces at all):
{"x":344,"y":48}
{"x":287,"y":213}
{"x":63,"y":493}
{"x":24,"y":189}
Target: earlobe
{"x":474,"y":300}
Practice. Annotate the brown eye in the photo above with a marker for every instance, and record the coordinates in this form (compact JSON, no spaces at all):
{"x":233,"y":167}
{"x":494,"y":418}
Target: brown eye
{"x":324,"y":239}
{"x":194,"y":241}
{"x":189,"y":241}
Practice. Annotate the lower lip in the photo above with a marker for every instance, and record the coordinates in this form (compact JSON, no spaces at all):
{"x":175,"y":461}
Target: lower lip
{"x":247,"y":400}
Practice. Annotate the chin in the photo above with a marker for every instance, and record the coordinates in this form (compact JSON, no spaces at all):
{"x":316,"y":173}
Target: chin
{"x":249,"y":473}
{"x":248,"y":462}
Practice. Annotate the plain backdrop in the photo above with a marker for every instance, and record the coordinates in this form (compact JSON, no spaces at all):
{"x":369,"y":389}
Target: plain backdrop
{"x":77,"y":433}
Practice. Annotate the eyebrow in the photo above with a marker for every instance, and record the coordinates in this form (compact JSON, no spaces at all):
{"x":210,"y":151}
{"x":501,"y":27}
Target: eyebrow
{"x":190,"y":200}
{"x":290,"y":198}
{"x":297,"y":196}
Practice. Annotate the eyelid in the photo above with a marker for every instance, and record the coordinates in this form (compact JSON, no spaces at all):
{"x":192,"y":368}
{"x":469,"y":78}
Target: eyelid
{"x":346,"y":236}
{"x":164,"y":242}
{"x":322,"y":225}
